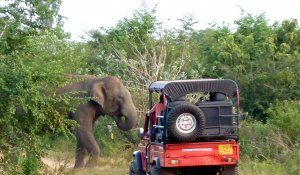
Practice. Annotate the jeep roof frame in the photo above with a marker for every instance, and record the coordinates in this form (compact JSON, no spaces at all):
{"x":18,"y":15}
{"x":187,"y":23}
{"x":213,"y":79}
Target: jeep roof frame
{"x":178,"y":88}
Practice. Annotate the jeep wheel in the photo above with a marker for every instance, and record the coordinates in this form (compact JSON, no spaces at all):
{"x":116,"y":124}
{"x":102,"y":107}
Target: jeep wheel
{"x":134,"y":170}
{"x":185,"y":123}
{"x":156,"y":170}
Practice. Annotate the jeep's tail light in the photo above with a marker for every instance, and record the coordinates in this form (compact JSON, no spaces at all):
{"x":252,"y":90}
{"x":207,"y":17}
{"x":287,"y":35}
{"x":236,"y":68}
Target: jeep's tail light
{"x":173,"y":161}
{"x":229,"y":159}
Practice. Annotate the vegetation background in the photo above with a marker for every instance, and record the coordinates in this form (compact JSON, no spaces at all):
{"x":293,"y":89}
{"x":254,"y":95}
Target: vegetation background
{"x":35,"y":53}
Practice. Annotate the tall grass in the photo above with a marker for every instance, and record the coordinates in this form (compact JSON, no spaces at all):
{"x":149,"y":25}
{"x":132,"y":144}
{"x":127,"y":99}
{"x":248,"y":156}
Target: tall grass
{"x":272,"y":147}
{"x":255,"y":167}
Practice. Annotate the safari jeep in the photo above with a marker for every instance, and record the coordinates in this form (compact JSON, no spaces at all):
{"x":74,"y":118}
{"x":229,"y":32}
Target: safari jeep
{"x":185,"y":137}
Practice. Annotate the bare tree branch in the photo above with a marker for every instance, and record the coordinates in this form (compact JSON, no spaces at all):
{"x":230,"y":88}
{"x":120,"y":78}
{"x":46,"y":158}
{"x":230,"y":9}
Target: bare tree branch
{"x":3,"y":30}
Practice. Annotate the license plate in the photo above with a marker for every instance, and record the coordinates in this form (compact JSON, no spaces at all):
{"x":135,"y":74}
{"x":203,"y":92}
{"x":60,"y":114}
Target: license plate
{"x":225,"y":149}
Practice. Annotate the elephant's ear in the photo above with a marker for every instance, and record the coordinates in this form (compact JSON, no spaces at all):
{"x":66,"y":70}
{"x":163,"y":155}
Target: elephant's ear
{"x":98,"y":93}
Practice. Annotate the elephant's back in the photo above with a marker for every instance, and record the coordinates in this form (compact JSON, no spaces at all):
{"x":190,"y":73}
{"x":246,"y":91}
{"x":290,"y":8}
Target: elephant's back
{"x":81,"y":87}
{"x":85,"y":83}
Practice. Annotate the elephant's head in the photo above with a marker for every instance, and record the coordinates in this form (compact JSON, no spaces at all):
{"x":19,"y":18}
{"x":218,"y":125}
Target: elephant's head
{"x":115,"y":100}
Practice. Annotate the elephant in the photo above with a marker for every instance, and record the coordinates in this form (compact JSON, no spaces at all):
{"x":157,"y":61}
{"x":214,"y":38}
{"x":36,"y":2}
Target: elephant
{"x":108,"y":96}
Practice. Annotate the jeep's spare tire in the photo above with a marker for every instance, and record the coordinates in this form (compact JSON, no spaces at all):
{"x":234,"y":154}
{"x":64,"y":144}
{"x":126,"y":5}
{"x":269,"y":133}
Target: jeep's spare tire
{"x":185,"y":123}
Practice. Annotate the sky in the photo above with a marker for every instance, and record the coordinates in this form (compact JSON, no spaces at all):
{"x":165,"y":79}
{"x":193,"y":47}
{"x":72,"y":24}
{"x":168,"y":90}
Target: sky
{"x":84,"y":15}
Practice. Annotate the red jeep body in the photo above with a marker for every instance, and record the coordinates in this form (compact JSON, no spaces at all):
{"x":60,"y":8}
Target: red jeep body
{"x":192,"y":154}
{"x":213,"y":150}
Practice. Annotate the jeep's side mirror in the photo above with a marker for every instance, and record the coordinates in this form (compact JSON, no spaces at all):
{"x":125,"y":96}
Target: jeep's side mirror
{"x":141,"y":133}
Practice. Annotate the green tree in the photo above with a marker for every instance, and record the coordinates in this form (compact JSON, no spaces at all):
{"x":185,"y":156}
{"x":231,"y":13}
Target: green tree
{"x":22,"y":18}
{"x":33,"y":58}
{"x":284,"y":117}
{"x":29,"y":107}
{"x":139,"y":50}
{"x":262,"y":58}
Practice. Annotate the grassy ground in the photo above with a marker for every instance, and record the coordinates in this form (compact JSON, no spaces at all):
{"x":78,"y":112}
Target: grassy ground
{"x":250,"y":167}
{"x":58,"y":162}
{"x":109,"y":166}
{"x":62,"y":163}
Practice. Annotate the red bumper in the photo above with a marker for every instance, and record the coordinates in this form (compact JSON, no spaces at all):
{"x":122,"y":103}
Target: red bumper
{"x":198,"y":154}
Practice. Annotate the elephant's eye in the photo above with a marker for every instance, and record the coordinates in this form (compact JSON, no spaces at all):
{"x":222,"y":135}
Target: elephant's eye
{"x":119,"y":102}
{"x":121,"y":98}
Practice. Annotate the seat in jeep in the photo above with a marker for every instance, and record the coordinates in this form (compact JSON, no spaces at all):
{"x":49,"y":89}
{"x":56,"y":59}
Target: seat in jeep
{"x":219,"y":115}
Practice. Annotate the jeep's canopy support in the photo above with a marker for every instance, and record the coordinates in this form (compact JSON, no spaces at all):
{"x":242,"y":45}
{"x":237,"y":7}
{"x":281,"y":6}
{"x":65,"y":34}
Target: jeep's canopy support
{"x":178,"y":88}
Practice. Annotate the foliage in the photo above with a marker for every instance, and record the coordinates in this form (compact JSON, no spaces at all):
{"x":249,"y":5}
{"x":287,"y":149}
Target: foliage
{"x":263,"y":142}
{"x":267,"y":149}
{"x":28,"y":105}
{"x":111,"y":140}
{"x":125,"y":45}
{"x":258,"y":56}
{"x":292,"y":161}
{"x":23,"y":18}
{"x":140,"y":51}
{"x":285,"y":117}
{"x":255,"y":167}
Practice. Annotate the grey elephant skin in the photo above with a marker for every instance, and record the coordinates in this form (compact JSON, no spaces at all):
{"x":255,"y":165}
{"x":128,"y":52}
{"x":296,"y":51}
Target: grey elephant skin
{"x":108,"y":96}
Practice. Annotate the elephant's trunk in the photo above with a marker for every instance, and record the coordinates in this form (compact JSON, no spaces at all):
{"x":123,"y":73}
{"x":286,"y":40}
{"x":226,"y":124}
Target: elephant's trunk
{"x":127,"y":121}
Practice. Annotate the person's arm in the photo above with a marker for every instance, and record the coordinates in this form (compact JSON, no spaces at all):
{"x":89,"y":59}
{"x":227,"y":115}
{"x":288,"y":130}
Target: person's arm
{"x":146,"y":125}
{"x":151,"y":110}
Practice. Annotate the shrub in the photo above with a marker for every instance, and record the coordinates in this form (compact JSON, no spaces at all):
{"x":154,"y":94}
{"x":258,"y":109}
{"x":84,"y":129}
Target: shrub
{"x":285,"y":116}
{"x":112,"y":140}
{"x":29,"y":108}
{"x":292,"y":161}
{"x":262,"y":141}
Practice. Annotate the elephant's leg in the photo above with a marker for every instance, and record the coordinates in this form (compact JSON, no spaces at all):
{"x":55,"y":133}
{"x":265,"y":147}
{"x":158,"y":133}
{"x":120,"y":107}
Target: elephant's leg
{"x":87,"y":143}
{"x":85,"y":116}
{"x":94,"y":151}
{"x":81,"y":152}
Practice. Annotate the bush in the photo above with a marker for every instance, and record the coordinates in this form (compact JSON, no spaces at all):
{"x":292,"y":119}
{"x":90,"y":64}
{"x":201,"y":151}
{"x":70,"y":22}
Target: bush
{"x":31,"y":165}
{"x":112,"y":140}
{"x":29,"y":108}
{"x":267,"y":149}
{"x":285,"y":116}
{"x":292,"y":161}
{"x":262,"y":141}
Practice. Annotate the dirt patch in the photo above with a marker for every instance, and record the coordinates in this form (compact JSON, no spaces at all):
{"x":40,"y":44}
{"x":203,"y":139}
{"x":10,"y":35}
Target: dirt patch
{"x":106,"y":166}
{"x":57,"y":164}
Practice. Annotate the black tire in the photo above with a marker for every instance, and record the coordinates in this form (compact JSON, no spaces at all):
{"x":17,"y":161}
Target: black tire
{"x":133,"y":170}
{"x":185,"y":123}
{"x":156,"y":170}
{"x":232,"y":170}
